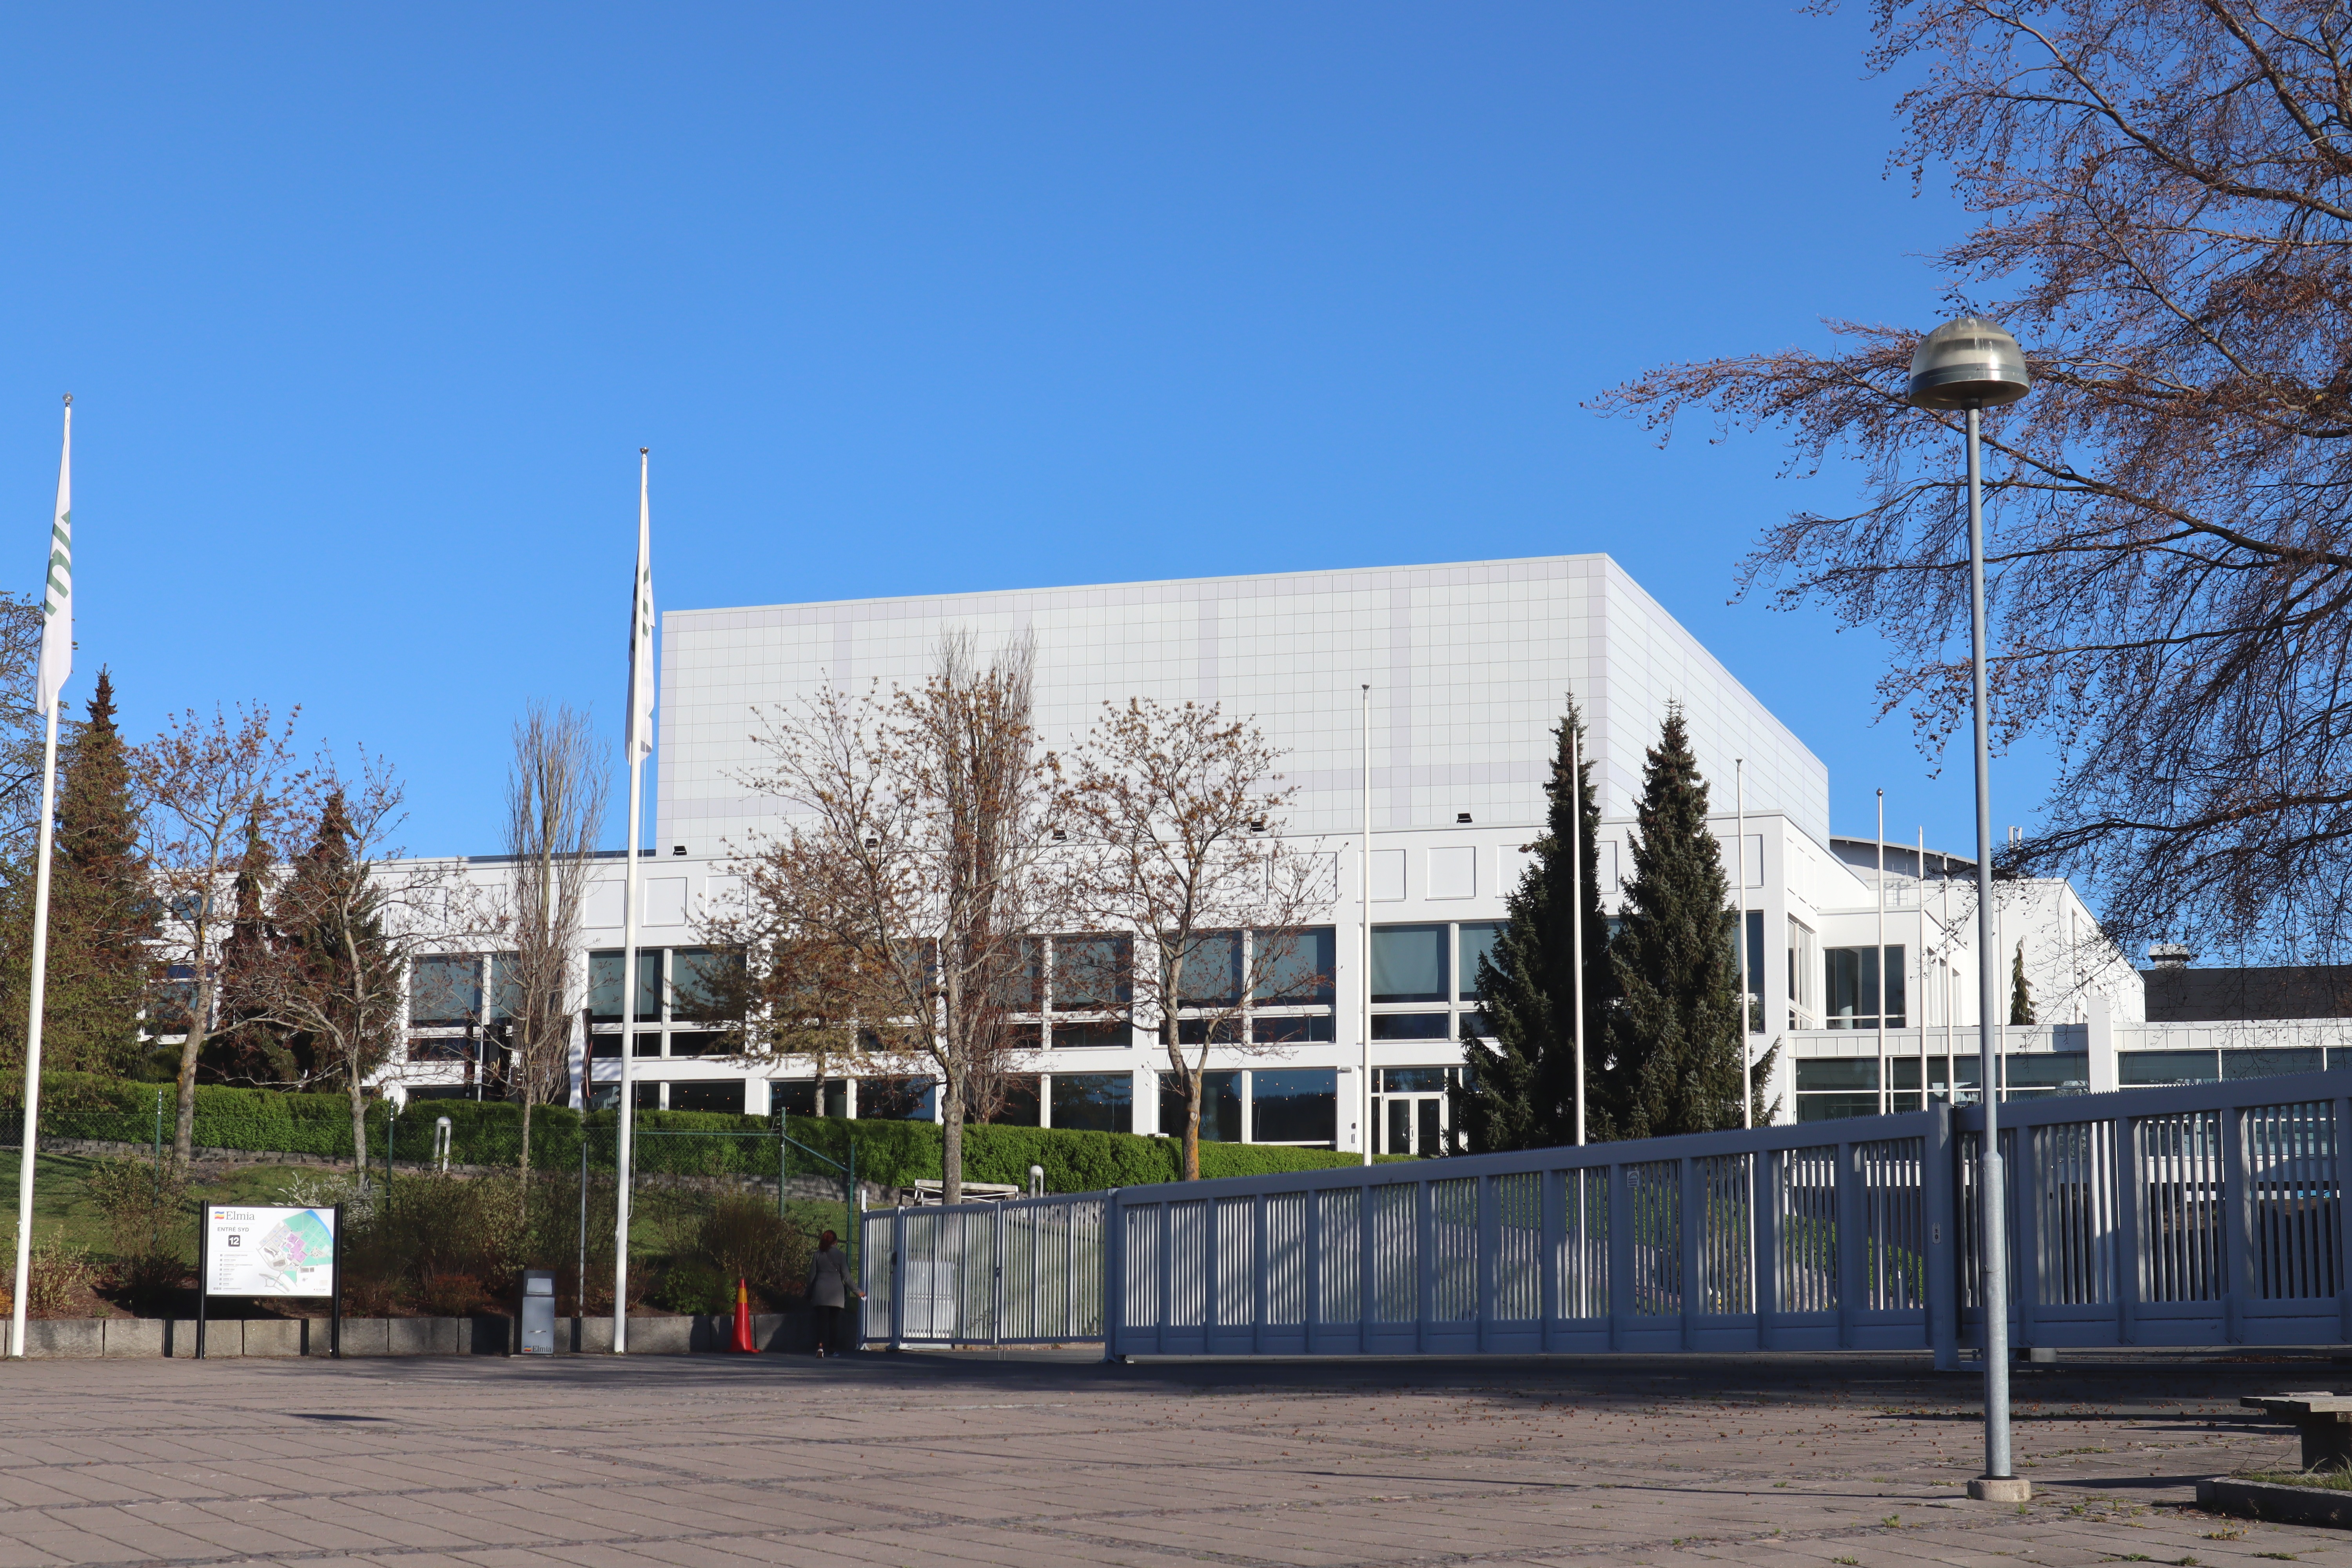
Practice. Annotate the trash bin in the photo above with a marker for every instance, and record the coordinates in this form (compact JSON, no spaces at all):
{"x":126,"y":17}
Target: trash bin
{"x":537,"y":1318}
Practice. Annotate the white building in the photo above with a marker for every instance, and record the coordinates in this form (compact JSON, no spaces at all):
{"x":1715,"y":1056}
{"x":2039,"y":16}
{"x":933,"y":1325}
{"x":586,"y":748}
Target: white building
{"x":1468,"y":667}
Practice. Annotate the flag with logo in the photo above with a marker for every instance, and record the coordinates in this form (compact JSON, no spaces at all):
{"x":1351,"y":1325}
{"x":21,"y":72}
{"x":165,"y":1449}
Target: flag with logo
{"x":641,"y":631}
{"x":56,"y":598}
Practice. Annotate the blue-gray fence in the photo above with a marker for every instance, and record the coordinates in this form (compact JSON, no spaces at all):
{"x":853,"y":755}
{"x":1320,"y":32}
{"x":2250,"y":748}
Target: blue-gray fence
{"x":2203,"y":1215}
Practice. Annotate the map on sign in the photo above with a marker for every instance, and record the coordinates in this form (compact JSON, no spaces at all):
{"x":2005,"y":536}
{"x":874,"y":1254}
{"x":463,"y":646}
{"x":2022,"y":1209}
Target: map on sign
{"x":268,"y":1251}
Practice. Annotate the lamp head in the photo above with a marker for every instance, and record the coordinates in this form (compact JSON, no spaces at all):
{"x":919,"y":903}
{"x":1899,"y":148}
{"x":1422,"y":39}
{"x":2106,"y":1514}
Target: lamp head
{"x":1969,"y":363}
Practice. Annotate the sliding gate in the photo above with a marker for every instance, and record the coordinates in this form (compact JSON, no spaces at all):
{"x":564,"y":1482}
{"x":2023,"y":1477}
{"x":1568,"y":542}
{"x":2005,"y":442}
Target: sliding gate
{"x":2205,"y":1215}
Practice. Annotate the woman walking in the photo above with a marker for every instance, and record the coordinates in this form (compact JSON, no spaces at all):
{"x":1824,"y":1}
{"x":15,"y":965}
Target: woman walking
{"x":829,"y":1289}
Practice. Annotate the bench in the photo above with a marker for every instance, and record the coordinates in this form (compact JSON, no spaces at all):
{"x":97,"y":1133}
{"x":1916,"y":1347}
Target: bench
{"x":2324,"y":1419}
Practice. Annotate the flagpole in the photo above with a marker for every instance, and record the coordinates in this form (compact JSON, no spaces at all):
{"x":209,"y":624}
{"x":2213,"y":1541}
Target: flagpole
{"x":641,"y":594}
{"x":33,"y":1041}
{"x":1575,"y":905}
{"x":57,"y":663}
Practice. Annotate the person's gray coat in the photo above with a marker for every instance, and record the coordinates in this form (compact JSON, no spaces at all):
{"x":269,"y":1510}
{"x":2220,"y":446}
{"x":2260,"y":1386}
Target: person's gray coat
{"x":829,"y":1284}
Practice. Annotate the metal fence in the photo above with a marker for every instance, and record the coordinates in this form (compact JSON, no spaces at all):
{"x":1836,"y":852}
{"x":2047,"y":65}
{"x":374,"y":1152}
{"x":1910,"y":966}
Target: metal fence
{"x":2204,"y":1215}
{"x":1029,"y":1271}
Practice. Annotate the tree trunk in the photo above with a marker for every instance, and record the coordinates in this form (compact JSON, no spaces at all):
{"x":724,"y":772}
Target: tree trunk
{"x":359,"y":1121}
{"x":524,"y":1201}
{"x":184,"y":1128}
{"x":950,"y":1140}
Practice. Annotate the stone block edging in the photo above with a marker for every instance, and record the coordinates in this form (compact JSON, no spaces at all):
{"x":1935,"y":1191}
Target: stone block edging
{"x":2276,"y":1504}
{"x":237,"y":1338}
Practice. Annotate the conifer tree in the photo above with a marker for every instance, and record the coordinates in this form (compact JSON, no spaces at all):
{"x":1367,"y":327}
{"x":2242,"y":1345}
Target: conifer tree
{"x":1675,"y":1041}
{"x":1520,"y":1090}
{"x":241,"y":1049}
{"x":101,"y":910}
{"x":2021,"y":994}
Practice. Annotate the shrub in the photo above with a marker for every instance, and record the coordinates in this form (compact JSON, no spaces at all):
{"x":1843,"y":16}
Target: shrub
{"x":145,"y":1205}
{"x":743,"y":1238}
{"x":59,"y":1275}
{"x":150,"y":1284}
{"x":695,"y":1285}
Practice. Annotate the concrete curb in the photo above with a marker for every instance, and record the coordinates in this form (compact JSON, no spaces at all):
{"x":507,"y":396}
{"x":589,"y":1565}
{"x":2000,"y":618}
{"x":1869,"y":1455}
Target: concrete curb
{"x":2276,"y":1504}
{"x":237,"y":1338}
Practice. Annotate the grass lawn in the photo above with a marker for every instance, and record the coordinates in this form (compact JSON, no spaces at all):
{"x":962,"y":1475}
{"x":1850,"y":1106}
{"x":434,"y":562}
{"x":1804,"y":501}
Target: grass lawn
{"x":62,"y":1203}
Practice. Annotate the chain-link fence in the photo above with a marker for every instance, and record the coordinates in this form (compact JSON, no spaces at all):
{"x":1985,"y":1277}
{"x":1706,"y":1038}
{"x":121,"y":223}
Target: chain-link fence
{"x":446,"y":1211}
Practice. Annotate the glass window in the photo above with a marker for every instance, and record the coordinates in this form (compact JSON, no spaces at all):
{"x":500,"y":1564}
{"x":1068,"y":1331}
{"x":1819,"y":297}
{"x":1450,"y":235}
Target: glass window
{"x":1224,"y":1031}
{"x":1296,"y":1105}
{"x":506,"y":987}
{"x":704,"y":985}
{"x":1299,"y":967}
{"x":648,"y":1043}
{"x":898,"y":1098}
{"x":2044,"y":1073}
{"x":1221,"y":1107}
{"x":696,"y":1043}
{"x":1093,"y":971}
{"x":1476,"y":942}
{"x":1831,"y":1089}
{"x":170,"y":1003}
{"x":1412,"y":1026}
{"x":1413,"y":1080}
{"x":1017,"y":1101}
{"x":1803,"y":974}
{"x":2271,"y":1063}
{"x":793,"y":1096}
{"x":604,"y":986}
{"x":1213,"y":971}
{"x":1851,"y":985}
{"x":1095,"y":1101}
{"x":1269,"y":1029}
{"x":1021,"y":987}
{"x":441,"y":1048}
{"x":2136,"y":1067}
{"x":444,"y":990}
{"x":1409,"y":963}
{"x":727,"y":1096}
{"x":1095,"y":1032}
{"x":604,"y":1048}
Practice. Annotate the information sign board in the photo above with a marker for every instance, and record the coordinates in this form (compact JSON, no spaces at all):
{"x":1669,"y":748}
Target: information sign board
{"x":253,"y":1250}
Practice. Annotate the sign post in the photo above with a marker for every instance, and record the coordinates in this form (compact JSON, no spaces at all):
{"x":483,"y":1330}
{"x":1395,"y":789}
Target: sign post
{"x":267,"y":1251}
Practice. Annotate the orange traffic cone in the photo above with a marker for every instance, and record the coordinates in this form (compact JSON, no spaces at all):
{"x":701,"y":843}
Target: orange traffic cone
{"x":743,"y":1319}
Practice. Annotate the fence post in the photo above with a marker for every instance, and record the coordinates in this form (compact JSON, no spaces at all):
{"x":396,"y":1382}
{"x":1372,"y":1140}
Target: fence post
{"x":1552,"y":1188}
{"x":1851,"y":1265}
{"x":2123,"y":1154}
{"x":2343,"y":1236}
{"x":1425,"y":1249}
{"x":897,"y":1275}
{"x":2237,"y":1222}
{"x":1262,"y":1251}
{"x":1940,"y":1177}
{"x":1690,"y":1229}
{"x":1621,"y":1255}
{"x":2026,"y":1181}
{"x":1114,"y":1266}
{"x":1486,"y":1191}
{"x":996,"y":1233}
{"x":1764,"y":1257}
{"x":1312,"y":1318}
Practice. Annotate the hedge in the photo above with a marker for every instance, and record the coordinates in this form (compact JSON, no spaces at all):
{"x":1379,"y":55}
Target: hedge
{"x":489,"y":1133}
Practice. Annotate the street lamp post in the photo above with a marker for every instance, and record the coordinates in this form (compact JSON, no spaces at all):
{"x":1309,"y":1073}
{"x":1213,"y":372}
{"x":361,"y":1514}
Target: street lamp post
{"x":1972,"y":365}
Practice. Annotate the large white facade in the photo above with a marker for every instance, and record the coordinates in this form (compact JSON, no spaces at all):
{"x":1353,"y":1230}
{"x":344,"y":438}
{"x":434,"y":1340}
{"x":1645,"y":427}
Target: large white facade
{"x":1469,"y":667}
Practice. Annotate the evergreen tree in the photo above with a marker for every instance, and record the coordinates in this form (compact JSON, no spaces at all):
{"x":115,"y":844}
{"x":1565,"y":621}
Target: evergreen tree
{"x":1520,"y":1090}
{"x":101,"y":912}
{"x":239,"y":1049}
{"x":1675,"y":1041}
{"x":329,"y":929}
{"x":2021,"y":994}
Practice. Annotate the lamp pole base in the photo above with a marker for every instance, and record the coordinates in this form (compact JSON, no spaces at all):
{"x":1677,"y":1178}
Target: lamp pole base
{"x":2001,"y":1488}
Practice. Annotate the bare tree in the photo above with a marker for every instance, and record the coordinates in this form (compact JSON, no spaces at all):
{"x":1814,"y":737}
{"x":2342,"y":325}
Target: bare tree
{"x":346,"y":924}
{"x":882,"y":925}
{"x":211,"y":785}
{"x":1176,"y":813}
{"x":555,"y":810}
{"x":2165,"y":197}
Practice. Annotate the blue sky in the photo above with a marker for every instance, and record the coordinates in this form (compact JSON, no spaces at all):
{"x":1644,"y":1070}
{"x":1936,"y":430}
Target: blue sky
{"x":366,"y":313}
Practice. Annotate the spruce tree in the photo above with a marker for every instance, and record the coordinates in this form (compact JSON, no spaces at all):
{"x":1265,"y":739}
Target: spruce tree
{"x":1675,"y":1041}
{"x":102,"y":912}
{"x":2021,"y":994}
{"x":241,"y":1050}
{"x":1520,"y":1090}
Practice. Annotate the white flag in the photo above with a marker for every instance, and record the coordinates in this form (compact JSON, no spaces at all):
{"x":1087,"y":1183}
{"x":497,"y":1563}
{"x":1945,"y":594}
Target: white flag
{"x":641,"y":631}
{"x":57,"y":601}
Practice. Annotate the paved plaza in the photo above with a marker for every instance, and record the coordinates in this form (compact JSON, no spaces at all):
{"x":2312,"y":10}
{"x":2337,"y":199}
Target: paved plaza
{"x":920,"y":1459}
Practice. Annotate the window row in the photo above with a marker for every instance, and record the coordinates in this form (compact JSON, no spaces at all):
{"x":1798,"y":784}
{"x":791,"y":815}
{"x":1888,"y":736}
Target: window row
{"x":1832,"y":1088}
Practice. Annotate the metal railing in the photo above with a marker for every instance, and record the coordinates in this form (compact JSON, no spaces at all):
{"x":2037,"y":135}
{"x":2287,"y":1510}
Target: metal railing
{"x":1022,"y":1271}
{"x":2204,"y":1215}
